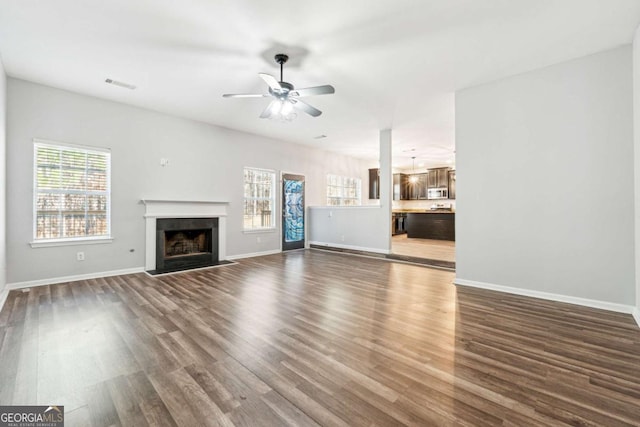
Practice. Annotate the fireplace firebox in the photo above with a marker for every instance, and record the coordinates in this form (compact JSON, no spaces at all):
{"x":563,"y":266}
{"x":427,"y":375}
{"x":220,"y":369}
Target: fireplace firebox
{"x":186,"y":243}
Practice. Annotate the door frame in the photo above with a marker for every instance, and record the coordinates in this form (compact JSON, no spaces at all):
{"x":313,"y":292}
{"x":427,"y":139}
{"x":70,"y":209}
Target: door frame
{"x":282,"y":210}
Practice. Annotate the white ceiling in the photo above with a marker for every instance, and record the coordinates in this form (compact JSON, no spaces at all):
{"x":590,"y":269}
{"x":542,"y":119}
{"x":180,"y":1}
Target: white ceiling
{"x":394,"y":63}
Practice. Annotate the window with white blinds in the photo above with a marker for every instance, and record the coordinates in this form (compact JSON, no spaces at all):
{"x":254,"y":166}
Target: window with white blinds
{"x":72,"y":192}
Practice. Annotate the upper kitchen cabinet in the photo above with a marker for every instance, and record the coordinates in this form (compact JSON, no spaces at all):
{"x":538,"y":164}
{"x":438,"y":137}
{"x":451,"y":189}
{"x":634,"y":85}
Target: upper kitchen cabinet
{"x":452,"y":184}
{"x":400,"y":186}
{"x":422,"y":185}
{"x":374,"y":183}
{"x":438,"y":178}
{"x":417,"y":186}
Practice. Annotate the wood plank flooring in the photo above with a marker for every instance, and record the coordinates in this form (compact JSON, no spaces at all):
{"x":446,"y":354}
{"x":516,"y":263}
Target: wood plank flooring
{"x":311,"y":338}
{"x":443,"y":250}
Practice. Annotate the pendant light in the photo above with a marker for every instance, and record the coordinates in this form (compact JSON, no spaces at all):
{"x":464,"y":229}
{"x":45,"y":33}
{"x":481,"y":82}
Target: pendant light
{"x":413,"y":178}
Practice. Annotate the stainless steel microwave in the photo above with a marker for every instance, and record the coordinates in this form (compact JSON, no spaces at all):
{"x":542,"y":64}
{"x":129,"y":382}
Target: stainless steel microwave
{"x":437,"y":193}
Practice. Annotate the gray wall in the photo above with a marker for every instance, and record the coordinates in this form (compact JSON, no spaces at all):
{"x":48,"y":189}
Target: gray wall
{"x":362,"y":228}
{"x":545,"y":180}
{"x":206,"y":163}
{"x":3,"y":181}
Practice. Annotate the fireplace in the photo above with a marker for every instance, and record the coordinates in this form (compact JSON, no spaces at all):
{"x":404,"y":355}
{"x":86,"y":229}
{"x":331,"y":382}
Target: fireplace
{"x":185,"y":243}
{"x":193,"y":211}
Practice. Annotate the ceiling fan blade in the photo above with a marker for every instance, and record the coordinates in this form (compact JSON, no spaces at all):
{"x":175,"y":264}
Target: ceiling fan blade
{"x":270,"y":109}
{"x":316,"y":90}
{"x":245,"y":95}
{"x":270,"y":80}
{"x":303,"y":106}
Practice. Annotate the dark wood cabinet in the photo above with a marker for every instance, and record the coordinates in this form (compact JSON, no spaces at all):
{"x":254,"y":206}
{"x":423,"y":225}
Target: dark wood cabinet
{"x":438,"y":226}
{"x":400,"y":186}
{"x":452,"y":184}
{"x":438,"y":178}
{"x":374,"y":183}
{"x":414,"y":186}
{"x":417,"y":186}
{"x":423,"y":185}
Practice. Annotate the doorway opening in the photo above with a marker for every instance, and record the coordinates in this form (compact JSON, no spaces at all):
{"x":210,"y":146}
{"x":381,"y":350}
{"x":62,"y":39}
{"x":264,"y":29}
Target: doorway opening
{"x":424,"y":208}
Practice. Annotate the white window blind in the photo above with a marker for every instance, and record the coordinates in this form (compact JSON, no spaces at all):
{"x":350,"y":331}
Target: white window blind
{"x":259,"y":199}
{"x":72,"y":192}
{"x":343,"y":191}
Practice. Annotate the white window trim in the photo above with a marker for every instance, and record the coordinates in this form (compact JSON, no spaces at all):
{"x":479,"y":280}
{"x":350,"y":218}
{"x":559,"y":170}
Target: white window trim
{"x":49,"y":243}
{"x":359,"y":188}
{"x":274,"y":191}
{"x":86,"y":240}
{"x":259,"y":230}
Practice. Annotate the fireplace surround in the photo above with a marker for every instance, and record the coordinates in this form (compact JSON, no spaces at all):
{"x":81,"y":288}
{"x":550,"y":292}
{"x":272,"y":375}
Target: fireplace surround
{"x":191,"y":243}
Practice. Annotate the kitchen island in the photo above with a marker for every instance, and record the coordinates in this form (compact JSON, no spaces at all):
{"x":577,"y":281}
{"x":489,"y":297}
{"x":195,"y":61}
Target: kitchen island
{"x":431,"y":224}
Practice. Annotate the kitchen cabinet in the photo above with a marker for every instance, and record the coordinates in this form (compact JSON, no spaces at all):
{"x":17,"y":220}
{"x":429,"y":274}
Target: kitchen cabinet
{"x":428,"y":225}
{"x":374,"y":183}
{"x":438,"y":178}
{"x":452,"y":184}
{"x":422,"y":185}
{"x":400,"y":186}
{"x":411,"y":187}
{"x":417,"y":186}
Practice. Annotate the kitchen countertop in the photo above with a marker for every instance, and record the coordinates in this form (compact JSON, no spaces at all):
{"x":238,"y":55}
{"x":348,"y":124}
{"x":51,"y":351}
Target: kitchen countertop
{"x":424,"y":211}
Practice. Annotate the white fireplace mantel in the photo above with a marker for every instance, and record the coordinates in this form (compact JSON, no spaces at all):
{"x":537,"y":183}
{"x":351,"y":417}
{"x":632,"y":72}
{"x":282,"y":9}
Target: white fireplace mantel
{"x":155,"y":209}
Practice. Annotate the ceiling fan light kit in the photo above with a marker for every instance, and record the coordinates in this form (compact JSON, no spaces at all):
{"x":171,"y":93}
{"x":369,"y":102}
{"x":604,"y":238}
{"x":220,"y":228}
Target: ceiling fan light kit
{"x":286,"y":96}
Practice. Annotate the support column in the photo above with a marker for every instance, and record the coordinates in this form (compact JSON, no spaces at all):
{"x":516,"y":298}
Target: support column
{"x":386,"y":183}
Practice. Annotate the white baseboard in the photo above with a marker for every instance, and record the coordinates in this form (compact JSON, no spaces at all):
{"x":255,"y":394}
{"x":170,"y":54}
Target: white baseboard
{"x":604,"y":305}
{"x":636,"y":315}
{"x":252,"y":254}
{"x":353,"y":248}
{"x":64,"y":279}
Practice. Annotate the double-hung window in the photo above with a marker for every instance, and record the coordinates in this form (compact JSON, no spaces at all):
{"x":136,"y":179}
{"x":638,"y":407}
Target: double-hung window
{"x":72,"y":197}
{"x":259,"y":199}
{"x":343,"y":191}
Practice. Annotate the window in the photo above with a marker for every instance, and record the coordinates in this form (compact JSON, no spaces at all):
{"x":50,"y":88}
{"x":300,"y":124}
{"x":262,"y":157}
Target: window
{"x":72,"y":192}
{"x":259,"y":199}
{"x":343,"y":191}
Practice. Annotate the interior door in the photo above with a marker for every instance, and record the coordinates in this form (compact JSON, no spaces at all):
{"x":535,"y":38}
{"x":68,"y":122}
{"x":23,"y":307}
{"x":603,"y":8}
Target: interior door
{"x":292,"y":212}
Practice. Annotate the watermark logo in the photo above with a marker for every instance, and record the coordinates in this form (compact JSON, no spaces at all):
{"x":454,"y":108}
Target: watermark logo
{"x":31,"y":416}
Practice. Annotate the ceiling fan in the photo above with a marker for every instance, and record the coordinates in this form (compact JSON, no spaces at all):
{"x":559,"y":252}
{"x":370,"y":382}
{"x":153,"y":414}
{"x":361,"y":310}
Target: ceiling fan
{"x":287,"y":98}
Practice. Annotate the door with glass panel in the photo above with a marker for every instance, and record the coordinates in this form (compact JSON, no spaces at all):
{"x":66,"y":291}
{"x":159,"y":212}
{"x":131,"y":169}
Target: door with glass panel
{"x":292,"y":212}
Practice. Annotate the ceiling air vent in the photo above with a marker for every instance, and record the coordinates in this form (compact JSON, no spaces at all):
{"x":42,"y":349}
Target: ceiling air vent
{"x":320,"y":137}
{"x":121,"y":84}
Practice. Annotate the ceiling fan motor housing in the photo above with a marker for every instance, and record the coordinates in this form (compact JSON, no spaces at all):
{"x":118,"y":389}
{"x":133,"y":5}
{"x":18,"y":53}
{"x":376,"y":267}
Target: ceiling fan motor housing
{"x":281,"y":58}
{"x":282,"y":93}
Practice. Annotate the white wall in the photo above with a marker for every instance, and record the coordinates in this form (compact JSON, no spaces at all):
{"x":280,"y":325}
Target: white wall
{"x":365,"y":228}
{"x":636,"y":156}
{"x":206,"y":163}
{"x":545,"y":180}
{"x":3,"y":181}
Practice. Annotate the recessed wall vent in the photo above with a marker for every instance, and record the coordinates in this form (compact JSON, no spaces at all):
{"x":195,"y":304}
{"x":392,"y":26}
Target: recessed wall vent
{"x":320,"y":137}
{"x":121,"y":84}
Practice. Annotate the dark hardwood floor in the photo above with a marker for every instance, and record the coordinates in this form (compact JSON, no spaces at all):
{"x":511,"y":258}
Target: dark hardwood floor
{"x":314,"y":338}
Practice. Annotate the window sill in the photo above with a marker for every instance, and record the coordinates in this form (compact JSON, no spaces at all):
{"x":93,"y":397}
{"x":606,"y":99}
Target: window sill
{"x":70,"y":242}
{"x":260,"y":230}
